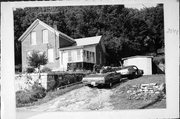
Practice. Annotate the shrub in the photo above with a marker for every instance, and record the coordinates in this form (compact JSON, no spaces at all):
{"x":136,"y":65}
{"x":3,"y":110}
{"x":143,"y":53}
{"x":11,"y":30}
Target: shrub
{"x":30,"y":96}
{"x":24,"y":97}
{"x":38,"y":91}
{"x":61,"y":79}
{"x":46,"y":70}
{"x":158,"y":60}
{"x":29,"y":70}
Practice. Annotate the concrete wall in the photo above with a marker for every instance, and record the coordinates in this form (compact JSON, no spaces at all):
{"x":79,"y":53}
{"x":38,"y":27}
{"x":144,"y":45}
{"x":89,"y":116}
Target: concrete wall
{"x":144,"y":63}
{"x":22,"y":82}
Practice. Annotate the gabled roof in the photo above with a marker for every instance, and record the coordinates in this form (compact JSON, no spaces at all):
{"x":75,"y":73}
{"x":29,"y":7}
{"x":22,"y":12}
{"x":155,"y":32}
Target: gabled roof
{"x":88,"y":40}
{"x":83,"y":42}
{"x":35,"y":23}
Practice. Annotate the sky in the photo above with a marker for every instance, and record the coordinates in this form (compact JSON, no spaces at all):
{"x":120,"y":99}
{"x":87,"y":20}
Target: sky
{"x":140,"y":6}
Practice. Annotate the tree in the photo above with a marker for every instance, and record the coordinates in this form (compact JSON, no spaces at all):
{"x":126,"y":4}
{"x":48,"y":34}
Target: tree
{"x":36,"y":59}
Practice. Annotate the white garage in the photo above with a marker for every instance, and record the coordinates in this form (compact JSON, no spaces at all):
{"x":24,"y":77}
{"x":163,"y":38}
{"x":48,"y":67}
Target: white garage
{"x":142,"y":62}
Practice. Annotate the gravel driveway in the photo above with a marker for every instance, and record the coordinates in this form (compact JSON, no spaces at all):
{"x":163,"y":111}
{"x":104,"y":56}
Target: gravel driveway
{"x":87,"y":98}
{"x":82,"y":99}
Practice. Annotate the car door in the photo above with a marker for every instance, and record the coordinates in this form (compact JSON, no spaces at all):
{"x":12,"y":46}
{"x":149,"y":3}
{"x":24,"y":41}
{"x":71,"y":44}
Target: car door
{"x":115,"y":76}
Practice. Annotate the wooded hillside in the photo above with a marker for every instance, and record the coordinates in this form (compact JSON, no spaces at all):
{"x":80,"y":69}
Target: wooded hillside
{"x":125,"y":31}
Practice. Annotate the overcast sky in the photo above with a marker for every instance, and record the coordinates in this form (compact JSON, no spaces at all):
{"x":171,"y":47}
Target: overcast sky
{"x":140,"y":6}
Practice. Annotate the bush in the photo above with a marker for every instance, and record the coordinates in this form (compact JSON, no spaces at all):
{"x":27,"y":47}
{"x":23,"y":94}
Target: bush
{"x":29,"y":70}
{"x":38,"y":91}
{"x":46,"y":70}
{"x":158,"y":60}
{"x":23,"y":97}
{"x":30,"y":96}
{"x":61,"y":79}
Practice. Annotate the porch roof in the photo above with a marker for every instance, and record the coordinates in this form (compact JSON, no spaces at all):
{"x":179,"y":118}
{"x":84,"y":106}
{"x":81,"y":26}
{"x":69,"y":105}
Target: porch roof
{"x":88,"y":40}
{"x":75,"y":47}
{"x":84,"y":42}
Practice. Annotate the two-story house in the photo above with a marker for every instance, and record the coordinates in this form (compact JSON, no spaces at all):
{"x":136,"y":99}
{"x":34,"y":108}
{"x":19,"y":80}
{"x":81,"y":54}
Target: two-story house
{"x":61,"y":50}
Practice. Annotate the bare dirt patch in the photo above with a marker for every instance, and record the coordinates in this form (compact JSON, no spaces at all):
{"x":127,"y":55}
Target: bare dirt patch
{"x":82,"y":99}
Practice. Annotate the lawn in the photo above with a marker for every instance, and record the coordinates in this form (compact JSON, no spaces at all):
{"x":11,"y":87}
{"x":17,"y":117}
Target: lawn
{"x":120,"y":98}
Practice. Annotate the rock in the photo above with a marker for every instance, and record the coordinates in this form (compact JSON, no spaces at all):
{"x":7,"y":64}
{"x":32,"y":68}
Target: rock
{"x":151,"y":91}
{"x":157,"y":92}
{"x":129,"y":91}
{"x":162,"y":87}
{"x":153,"y":84}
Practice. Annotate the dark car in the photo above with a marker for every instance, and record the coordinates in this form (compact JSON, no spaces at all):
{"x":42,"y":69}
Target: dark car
{"x":130,"y":72}
{"x":102,"y":79}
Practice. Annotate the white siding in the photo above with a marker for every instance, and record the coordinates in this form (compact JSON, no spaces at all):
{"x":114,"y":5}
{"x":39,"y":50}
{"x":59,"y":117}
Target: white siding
{"x":50,"y":55}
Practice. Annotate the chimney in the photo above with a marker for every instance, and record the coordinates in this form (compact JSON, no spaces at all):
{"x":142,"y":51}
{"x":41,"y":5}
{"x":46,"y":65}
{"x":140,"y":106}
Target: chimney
{"x":55,"y":25}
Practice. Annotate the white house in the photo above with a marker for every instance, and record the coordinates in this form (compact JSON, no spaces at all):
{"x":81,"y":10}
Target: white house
{"x":63,"y":52}
{"x":87,"y":52}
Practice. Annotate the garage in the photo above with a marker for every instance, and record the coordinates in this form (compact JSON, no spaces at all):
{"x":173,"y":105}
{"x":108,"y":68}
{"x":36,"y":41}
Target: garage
{"x":142,"y":62}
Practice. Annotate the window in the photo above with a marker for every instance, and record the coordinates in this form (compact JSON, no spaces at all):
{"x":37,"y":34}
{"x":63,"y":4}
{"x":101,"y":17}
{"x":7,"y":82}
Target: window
{"x":84,"y":55}
{"x":50,"y":55}
{"x":88,"y":55}
{"x":33,"y":38}
{"x":78,"y":54}
{"x":69,"y":56}
{"x":93,"y":56}
{"x":45,"y":36}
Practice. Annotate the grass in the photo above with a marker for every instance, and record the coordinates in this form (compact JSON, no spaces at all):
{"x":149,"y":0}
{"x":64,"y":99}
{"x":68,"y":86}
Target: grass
{"x":51,"y":95}
{"x":120,"y":100}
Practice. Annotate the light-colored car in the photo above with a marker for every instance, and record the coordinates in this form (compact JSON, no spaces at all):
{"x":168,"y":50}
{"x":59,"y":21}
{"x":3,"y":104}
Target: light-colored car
{"x":102,"y":79}
{"x":131,"y":71}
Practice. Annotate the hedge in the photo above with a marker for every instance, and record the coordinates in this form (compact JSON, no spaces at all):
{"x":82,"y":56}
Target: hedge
{"x":58,"y":79}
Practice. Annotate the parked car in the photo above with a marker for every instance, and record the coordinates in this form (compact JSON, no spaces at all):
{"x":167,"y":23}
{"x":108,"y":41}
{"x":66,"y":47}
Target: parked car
{"x":102,"y":79}
{"x":131,"y":71}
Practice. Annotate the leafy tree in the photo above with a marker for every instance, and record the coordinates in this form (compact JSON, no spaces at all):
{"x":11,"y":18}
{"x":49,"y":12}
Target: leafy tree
{"x":125,"y":31}
{"x":36,"y":59}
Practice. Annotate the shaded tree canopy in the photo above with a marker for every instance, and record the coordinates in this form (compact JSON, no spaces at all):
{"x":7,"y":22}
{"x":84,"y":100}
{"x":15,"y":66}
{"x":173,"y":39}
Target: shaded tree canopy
{"x":125,"y":31}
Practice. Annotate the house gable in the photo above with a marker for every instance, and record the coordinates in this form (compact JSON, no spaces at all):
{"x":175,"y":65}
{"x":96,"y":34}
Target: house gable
{"x":36,"y":22}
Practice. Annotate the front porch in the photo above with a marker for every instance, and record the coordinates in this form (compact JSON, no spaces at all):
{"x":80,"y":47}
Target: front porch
{"x":80,"y":66}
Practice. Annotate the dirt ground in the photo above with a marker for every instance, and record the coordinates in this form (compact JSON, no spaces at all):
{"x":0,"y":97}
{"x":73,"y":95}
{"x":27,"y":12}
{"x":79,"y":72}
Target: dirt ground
{"x":82,"y":99}
{"x":87,"y":98}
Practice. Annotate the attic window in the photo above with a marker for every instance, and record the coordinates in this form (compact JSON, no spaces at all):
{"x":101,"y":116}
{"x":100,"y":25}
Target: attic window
{"x":33,"y":38}
{"x":45,"y":36}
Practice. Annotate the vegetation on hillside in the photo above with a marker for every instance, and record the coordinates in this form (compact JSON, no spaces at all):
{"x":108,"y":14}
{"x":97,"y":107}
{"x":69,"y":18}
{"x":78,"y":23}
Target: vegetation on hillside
{"x":125,"y":31}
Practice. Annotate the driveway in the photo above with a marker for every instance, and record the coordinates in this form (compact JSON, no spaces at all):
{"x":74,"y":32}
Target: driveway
{"x":82,"y":99}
